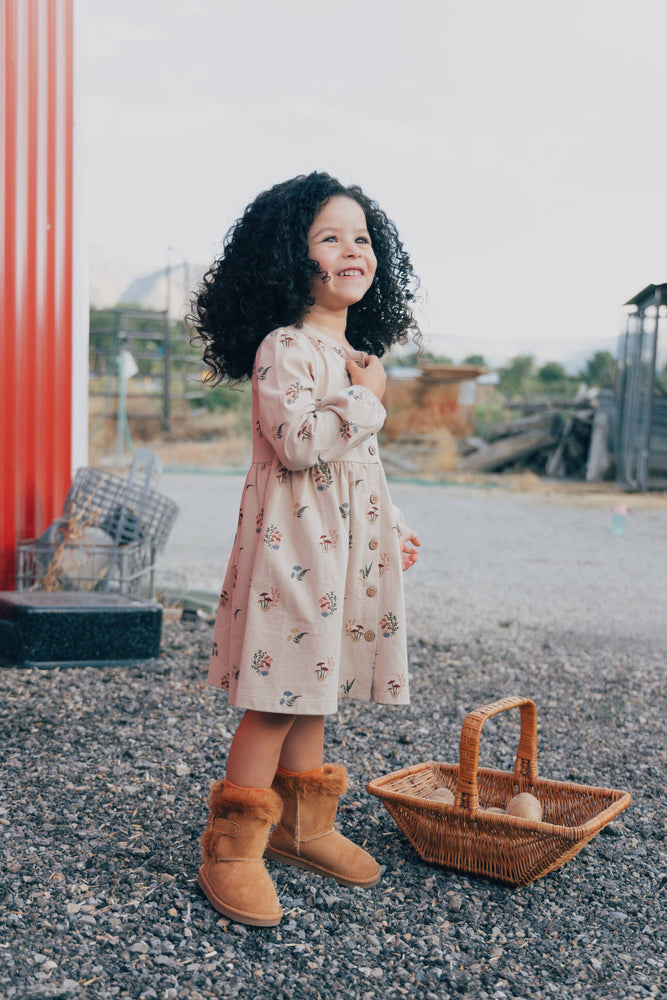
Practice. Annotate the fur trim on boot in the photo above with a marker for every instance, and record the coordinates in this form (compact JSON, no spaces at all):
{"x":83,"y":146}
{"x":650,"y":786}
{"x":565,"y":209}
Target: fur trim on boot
{"x":305,"y":835}
{"x":233,"y":876}
{"x":330,"y":779}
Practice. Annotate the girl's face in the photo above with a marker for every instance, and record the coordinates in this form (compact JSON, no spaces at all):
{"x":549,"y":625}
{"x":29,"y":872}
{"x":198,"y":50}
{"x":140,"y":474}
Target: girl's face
{"x":338,"y":240}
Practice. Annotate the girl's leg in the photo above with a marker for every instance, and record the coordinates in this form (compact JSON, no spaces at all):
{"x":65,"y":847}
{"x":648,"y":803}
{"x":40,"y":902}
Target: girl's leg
{"x":242,"y":810}
{"x":265,"y":739}
{"x":305,"y":835}
{"x":256,"y":748}
{"x":303,"y":747}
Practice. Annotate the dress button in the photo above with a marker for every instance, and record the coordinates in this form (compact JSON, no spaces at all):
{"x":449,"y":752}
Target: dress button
{"x":372,"y":449}
{"x":374,"y":498}
{"x":371,"y":591}
{"x":369,"y":636}
{"x":373,"y":544}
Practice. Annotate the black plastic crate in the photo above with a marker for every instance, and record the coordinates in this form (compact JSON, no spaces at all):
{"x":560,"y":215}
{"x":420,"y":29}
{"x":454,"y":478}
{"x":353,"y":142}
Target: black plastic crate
{"x":60,"y":629}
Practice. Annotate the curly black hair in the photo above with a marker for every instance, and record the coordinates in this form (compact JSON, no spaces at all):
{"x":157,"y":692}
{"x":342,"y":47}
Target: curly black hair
{"x":262,"y":279}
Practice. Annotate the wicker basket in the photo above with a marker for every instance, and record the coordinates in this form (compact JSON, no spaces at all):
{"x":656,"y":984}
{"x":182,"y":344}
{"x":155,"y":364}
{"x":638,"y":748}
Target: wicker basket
{"x":466,"y":837}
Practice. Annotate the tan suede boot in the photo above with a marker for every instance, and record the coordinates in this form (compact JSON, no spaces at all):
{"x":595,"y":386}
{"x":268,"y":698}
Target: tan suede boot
{"x":305,"y":836}
{"x":233,"y":876}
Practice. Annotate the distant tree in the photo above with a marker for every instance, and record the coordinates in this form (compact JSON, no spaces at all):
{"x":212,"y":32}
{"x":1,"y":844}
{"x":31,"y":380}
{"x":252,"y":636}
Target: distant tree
{"x":515,"y":377}
{"x":413,"y":358}
{"x":400,"y":360}
{"x":552,"y":371}
{"x":436,"y":359}
{"x":475,"y":359}
{"x":600,"y":370}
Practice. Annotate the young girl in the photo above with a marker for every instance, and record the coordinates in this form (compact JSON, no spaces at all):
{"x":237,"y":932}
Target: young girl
{"x":312,"y":287}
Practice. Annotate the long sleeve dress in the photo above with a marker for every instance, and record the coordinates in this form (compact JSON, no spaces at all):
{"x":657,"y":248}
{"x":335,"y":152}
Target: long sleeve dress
{"x":312,"y":602}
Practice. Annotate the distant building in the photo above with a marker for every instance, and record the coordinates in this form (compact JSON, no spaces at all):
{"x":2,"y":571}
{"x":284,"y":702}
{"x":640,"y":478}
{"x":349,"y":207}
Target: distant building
{"x":432,"y":397}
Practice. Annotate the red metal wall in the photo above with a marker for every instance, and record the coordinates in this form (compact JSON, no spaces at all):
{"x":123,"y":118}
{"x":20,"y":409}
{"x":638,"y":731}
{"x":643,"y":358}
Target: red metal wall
{"x":36,"y":98}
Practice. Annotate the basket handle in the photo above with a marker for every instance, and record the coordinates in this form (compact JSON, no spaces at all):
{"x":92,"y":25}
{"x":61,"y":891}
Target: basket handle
{"x":525,"y":765}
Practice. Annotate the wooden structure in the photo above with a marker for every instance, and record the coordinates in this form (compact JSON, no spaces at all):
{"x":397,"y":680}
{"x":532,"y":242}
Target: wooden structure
{"x":167,"y":368}
{"x":431,"y":398}
{"x":640,"y":431}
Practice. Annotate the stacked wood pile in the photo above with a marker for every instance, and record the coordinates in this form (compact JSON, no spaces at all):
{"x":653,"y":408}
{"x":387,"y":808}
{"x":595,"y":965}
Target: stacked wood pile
{"x":552,"y":438}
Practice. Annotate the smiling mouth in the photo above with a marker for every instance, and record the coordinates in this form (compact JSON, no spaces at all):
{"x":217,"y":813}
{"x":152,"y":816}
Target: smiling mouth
{"x":353,"y":272}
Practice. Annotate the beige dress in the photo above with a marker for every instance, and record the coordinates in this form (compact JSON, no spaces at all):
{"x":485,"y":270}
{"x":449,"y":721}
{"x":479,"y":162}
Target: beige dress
{"x":312,"y":603}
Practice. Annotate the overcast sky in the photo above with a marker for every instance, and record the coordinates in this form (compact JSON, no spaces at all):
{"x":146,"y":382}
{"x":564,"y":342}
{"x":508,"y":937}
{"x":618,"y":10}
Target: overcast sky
{"x":519,"y":145}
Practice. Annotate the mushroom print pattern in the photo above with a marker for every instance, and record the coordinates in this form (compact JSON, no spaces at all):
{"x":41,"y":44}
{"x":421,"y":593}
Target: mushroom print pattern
{"x":314,"y":609}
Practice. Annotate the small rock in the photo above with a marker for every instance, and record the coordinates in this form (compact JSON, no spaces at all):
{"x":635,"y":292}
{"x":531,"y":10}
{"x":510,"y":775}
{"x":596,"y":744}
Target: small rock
{"x":140,"y":948}
{"x":455,"y":902}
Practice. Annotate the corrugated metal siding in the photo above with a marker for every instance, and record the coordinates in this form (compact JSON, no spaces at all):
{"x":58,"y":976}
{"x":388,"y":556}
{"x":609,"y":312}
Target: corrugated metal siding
{"x":36,"y":38}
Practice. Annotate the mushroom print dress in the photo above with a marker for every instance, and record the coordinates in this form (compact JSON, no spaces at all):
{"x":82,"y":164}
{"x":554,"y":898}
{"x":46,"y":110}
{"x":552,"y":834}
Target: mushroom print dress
{"x":312,"y":602}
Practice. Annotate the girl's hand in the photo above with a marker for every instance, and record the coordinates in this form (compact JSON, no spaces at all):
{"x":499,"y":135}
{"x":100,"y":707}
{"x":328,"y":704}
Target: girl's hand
{"x":409,"y":554}
{"x":372,"y":375}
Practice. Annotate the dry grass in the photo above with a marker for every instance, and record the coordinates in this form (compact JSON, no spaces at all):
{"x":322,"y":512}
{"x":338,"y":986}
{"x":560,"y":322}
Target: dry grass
{"x":71,"y":554}
{"x":211,"y":440}
{"x":202,"y":439}
{"x":581,"y":493}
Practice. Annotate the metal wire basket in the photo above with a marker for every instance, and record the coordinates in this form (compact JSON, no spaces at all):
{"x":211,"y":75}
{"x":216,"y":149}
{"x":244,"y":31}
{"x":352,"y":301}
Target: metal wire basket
{"x":87,"y":565}
{"x":127,"y":509}
{"x":108,"y":536}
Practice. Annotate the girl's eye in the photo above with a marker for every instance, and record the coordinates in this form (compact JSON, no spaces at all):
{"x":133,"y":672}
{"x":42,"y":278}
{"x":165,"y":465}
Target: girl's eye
{"x":363,"y":239}
{"x":329,"y":239}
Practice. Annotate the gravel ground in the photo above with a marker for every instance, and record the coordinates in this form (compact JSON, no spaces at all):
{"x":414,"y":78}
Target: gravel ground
{"x":539,"y":559}
{"x":106,"y":774}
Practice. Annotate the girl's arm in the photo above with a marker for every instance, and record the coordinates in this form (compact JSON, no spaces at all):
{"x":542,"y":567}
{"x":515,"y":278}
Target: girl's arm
{"x":302,"y":428}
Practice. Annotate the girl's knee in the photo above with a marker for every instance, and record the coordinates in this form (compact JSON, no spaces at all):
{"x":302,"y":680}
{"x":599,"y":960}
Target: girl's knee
{"x":268,"y":720}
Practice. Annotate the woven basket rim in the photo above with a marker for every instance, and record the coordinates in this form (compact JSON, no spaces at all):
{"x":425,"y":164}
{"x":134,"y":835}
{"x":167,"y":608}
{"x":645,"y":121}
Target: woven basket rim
{"x":621,"y":800}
